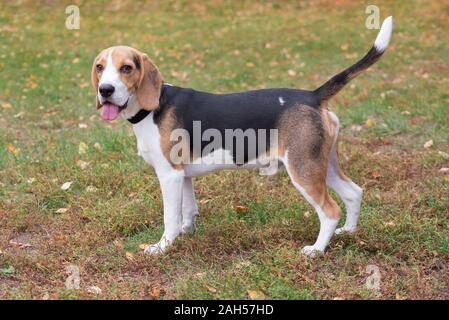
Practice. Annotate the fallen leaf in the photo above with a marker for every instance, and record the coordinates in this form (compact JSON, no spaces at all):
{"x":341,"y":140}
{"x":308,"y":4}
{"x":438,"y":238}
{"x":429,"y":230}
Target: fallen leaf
{"x":118,"y":243}
{"x":155,"y":292}
{"x":307,"y":214}
{"x":21,"y":245}
{"x":19,"y":115}
{"x":6,"y":105}
{"x":291,"y":73}
{"x":344,"y":46}
{"x":91,"y":189}
{"x":211,"y":289}
{"x":444,"y":170}
{"x":58,"y":237}
{"x":370,"y":122}
{"x":444,"y":155}
{"x":82,"y":164}
{"x":376,"y":174}
{"x":82,"y":125}
{"x":200,"y":275}
{"x":31,"y":180}
{"x":428,"y":144}
{"x":82,"y":148}
{"x":241,"y":209}
{"x":13,"y":149}
{"x":76,"y":60}
{"x":98,"y":146}
{"x":94,"y":290}
{"x":129,"y":256}
{"x":62,"y":210}
{"x":66,"y":185}
{"x":256,"y":295}
{"x":143,"y":246}
{"x":446,"y":178}
{"x":390,"y":224}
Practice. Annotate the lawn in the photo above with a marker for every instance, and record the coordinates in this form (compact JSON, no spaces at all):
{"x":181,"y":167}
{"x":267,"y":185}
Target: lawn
{"x":394,"y":143}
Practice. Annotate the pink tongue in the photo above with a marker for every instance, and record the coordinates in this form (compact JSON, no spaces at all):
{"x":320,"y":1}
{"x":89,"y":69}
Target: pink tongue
{"x":109,"y":112}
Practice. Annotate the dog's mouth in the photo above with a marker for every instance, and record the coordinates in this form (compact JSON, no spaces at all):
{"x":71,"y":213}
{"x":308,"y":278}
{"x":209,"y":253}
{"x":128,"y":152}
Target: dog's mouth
{"x":110,"y":111}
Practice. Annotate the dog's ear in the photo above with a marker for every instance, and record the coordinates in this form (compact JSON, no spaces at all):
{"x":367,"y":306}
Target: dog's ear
{"x":150,"y":85}
{"x":94,"y":78}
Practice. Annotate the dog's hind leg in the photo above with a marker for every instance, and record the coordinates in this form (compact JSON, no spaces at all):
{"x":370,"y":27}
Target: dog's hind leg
{"x":349,"y":192}
{"x":189,"y":206}
{"x":310,"y":181}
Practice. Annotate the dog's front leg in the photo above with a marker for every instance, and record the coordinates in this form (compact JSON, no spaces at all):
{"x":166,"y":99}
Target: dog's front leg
{"x":171,"y":185}
{"x":189,"y":207}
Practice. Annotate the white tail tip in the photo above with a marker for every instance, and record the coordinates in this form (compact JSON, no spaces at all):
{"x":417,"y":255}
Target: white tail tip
{"x":384,"y":35}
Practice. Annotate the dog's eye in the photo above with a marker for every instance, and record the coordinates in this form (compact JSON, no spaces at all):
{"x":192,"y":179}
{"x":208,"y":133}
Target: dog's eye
{"x":126,"y":68}
{"x":99,"y":67}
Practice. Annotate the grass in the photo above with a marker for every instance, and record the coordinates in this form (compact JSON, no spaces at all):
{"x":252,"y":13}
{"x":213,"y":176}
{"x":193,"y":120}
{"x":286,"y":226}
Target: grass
{"x":114,"y":204}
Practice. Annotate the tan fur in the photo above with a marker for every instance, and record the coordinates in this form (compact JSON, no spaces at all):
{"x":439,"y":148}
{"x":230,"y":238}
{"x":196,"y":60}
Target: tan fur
{"x":125,"y":55}
{"x":149,"y":90}
{"x":308,"y":134}
{"x":166,"y":126}
{"x":95,"y":77}
{"x":146,"y":82}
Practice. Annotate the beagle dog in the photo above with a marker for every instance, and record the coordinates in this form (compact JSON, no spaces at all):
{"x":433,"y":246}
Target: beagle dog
{"x":302,"y":135}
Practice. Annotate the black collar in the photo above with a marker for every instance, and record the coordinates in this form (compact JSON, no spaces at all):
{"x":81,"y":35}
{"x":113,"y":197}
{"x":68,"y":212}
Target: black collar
{"x":142,"y":113}
{"x":139,"y":116}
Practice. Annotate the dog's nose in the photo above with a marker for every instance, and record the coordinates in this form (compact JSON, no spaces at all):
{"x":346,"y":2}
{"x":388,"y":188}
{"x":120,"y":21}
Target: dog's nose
{"x":106,"y":90}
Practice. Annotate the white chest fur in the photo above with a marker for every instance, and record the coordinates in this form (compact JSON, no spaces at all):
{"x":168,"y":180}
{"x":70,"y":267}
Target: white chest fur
{"x":149,"y":144}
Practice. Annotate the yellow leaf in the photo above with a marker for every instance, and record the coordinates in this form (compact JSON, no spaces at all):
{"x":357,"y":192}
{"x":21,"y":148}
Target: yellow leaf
{"x":143,"y":246}
{"x":241,"y":209}
{"x":129,"y":256}
{"x":62,"y":210}
{"x":82,"y":148}
{"x":390,"y":224}
{"x":370,"y":122}
{"x":6,"y":105}
{"x":446,"y":177}
{"x":98,"y":146}
{"x":256,"y":295}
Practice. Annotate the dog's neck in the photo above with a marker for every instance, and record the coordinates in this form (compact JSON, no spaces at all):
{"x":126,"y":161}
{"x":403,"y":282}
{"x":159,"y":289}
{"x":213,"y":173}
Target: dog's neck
{"x":134,"y":112}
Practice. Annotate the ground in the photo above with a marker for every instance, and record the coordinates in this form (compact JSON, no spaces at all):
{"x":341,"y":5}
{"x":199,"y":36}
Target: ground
{"x":394,"y":143}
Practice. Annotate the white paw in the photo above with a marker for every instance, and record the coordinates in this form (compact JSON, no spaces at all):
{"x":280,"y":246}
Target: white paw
{"x":188,"y":228}
{"x":156,"y":248}
{"x":345,"y":230}
{"x":312,"y":251}
{"x":188,"y":225}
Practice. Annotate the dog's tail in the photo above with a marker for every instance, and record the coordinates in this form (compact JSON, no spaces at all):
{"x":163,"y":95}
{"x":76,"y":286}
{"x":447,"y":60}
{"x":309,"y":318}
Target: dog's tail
{"x":337,"y":82}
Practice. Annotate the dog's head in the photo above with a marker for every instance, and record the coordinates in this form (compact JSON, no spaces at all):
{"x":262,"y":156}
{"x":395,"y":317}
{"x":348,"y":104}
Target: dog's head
{"x":118,"y":74}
